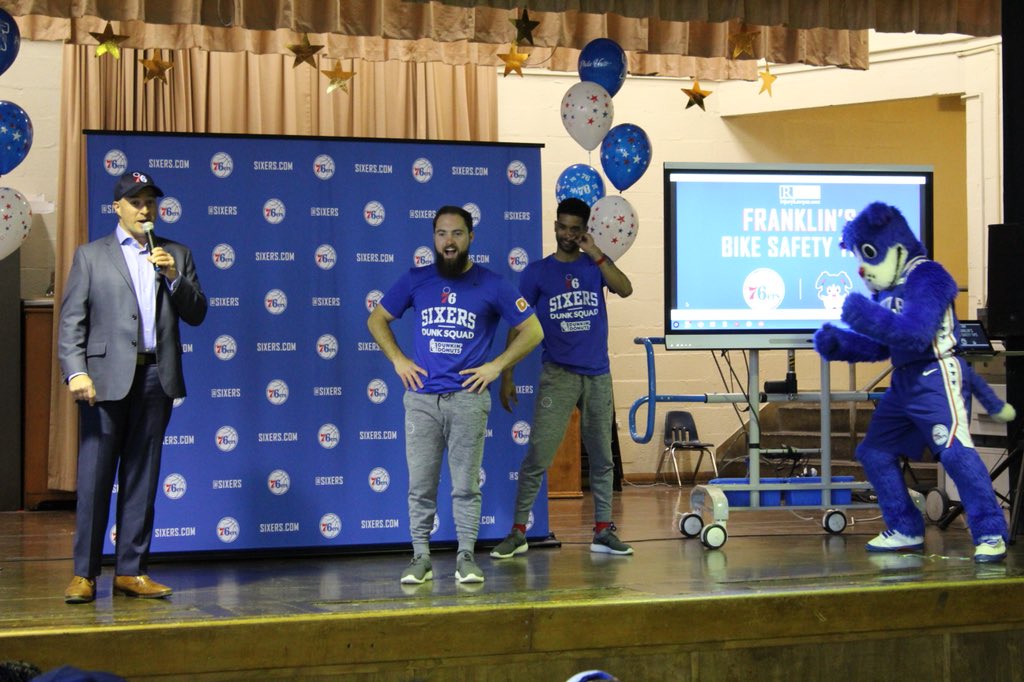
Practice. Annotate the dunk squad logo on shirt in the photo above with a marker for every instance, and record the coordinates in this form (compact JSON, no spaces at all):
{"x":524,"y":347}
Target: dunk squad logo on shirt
{"x":447,"y":325}
{"x":574,"y":308}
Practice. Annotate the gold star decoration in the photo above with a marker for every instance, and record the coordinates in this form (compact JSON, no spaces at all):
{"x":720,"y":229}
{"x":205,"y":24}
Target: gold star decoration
{"x":743,"y":43}
{"x":766,"y":80}
{"x":155,"y":68}
{"x":696,"y":95}
{"x":108,"y":42}
{"x":339,"y":78}
{"x":304,"y":51}
{"x":514,"y":60}
{"x":524,"y":27}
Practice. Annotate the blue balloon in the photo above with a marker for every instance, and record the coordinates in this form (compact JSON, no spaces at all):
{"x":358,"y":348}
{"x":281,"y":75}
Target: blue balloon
{"x":15,"y":136}
{"x":602,"y":61}
{"x":625,"y":154}
{"x":10,"y":40}
{"x":580,"y":181}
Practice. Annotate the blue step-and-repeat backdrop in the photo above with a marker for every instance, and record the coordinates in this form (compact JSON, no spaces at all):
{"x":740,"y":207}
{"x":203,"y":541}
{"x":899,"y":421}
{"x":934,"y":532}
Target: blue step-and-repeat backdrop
{"x":292,"y":432}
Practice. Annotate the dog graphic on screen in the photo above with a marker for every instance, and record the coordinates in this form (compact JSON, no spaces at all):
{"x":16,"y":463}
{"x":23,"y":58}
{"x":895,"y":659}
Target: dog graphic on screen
{"x":833,"y":288}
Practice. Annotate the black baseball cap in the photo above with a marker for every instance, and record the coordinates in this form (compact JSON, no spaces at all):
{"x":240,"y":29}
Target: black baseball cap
{"x":133,"y":182}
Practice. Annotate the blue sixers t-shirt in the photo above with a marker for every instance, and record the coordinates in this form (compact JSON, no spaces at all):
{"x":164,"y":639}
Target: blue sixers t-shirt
{"x":457,"y":319}
{"x":569,"y":298}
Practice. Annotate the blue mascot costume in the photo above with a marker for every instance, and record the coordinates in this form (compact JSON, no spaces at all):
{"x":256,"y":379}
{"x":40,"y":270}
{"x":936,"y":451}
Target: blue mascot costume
{"x":909,"y":318}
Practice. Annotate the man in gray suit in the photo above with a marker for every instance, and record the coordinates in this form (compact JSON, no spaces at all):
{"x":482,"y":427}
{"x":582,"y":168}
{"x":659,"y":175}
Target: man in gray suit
{"x":120,"y":354}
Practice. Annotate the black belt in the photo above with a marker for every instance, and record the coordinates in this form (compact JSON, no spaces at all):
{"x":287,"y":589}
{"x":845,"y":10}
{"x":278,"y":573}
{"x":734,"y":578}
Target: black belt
{"x":145,"y":359}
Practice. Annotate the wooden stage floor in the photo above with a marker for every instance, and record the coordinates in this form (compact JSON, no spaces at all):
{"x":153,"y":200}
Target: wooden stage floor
{"x":781,"y":600}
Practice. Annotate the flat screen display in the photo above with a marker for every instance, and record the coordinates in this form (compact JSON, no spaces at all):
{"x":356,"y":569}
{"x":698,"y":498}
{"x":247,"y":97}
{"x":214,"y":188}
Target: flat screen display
{"x":752,"y":251}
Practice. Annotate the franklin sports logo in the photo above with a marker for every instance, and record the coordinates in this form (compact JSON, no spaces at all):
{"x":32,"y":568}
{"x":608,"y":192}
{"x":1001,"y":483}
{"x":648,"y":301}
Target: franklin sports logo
{"x":175,"y":486}
{"x":516,"y":172}
{"x":323,"y":167}
{"x":275,"y":302}
{"x":227,"y":530}
{"x":277,"y":392}
{"x":278,"y":482}
{"x":422,"y":257}
{"x":170,"y":210}
{"x":372,"y":299}
{"x":373,"y":213}
{"x":517,"y":259}
{"x":327,"y":346}
{"x":223,"y":256}
{"x":226,"y":438}
{"x":330,"y":526}
{"x":221,"y":164}
{"x":115,"y":162}
{"x":326,"y":257}
{"x":273,"y":211}
{"x":474,"y":211}
{"x":377,"y":391}
{"x":380,"y":479}
{"x":224,"y":347}
{"x":328,"y":436}
{"x":521,"y":432}
{"x":422,"y":170}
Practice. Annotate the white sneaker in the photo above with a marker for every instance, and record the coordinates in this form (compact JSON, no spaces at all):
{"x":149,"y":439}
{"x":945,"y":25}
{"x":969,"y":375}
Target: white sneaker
{"x":894,"y":541}
{"x":990,"y":549}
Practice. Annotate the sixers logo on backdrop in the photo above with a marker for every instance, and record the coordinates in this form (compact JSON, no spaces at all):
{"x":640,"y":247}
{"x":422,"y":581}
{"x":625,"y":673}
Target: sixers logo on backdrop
{"x":273,"y":211}
{"x":177,"y":402}
{"x":521,"y":432}
{"x":228,"y":530}
{"x":330,"y":526}
{"x":326,"y":257}
{"x":112,"y":534}
{"x":115,"y":162}
{"x":530,"y":520}
{"x":518,"y":259}
{"x":278,"y":482}
{"x":277,"y":392}
{"x":474,"y":211}
{"x":377,"y":391}
{"x":437,"y":524}
{"x":328,"y":436}
{"x":275,"y":302}
{"x":372,"y":299}
{"x":175,"y":486}
{"x":373,"y":213}
{"x":221,"y":164}
{"x":422,"y":170}
{"x":226,"y":438}
{"x":422,"y":257}
{"x":516,"y":172}
{"x":380,"y":479}
{"x":224,"y":347}
{"x":169,"y":210}
{"x":327,"y":346}
{"x":323,"y":167}
{"x":482,"y":477}
{"x":223,"y":256}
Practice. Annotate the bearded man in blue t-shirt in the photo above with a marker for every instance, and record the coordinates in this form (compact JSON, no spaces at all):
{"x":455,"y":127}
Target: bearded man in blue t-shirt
{"x":458,"y":305}
{"x":567,"y":290}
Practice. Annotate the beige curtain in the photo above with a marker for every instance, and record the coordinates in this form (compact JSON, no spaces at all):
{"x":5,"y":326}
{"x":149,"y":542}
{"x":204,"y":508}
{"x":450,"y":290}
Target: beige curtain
{"x":221,"y":92}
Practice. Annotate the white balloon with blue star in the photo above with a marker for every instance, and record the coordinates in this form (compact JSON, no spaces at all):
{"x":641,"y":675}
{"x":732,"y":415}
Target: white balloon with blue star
{"x":15,"y":220}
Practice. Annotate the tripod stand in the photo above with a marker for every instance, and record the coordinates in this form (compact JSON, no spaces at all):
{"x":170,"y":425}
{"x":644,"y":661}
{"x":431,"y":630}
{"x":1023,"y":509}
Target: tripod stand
{"x":1012,"y":462}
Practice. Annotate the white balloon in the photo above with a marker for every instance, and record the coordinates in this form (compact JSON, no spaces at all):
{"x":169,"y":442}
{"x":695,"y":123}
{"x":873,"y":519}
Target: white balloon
{"x":587,"y":113}
{"x":15,"y":221}
{"x":613,"y":225}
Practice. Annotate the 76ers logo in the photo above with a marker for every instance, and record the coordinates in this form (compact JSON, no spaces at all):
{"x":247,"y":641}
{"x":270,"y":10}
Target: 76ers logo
{"x":377,"y":391}
{"x":572,"y":282}
{"x":521,"y":432}
{"x":448,"y":296}
{"x":170,"y":210}
{"x":372,"y":299}
{"x":516,"y":172}
{"x":115,"y":162}
{"x":227,"y":529}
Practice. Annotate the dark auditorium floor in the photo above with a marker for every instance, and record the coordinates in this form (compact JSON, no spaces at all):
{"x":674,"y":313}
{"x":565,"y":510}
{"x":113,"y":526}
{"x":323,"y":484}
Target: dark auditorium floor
{"x":767,"y":551}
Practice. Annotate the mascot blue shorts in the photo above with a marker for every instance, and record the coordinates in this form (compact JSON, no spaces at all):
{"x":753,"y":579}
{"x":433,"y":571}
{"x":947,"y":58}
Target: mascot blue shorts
{"x":909,"y":318}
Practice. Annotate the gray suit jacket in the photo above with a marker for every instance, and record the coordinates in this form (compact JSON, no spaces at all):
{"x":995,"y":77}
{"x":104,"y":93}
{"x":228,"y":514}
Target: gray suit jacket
{"x":99,"y":325}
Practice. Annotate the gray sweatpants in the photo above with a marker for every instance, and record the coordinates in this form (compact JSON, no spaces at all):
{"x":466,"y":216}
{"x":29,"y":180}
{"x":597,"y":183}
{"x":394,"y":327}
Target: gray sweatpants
{"x":433,"y":422}
{"x":560,"y":391}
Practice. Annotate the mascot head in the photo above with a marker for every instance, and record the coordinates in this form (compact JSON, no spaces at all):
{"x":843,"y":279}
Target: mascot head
{"x":883,"y":243}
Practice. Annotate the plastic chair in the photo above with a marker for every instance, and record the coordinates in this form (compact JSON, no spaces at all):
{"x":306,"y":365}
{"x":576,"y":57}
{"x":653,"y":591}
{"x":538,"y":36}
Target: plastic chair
{"x":681,"y":434}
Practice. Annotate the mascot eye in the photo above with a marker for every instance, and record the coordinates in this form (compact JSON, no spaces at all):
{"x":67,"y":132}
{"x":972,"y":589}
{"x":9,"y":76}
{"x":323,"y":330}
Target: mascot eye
{"x":868,"y":251}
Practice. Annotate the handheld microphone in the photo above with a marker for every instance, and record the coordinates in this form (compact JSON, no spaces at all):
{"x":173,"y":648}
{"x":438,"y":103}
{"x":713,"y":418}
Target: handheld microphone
{"x":147,"y":227}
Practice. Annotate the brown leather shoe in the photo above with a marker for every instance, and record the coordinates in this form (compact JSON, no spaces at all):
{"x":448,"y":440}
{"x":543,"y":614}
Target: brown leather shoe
{"x":80,"y":591}
{"x":141,"y":586}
